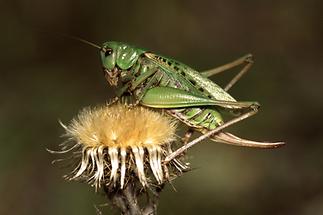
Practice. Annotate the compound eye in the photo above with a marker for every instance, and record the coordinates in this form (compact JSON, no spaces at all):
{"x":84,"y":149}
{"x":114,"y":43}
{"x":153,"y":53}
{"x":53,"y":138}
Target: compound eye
{"x":107,"y":52}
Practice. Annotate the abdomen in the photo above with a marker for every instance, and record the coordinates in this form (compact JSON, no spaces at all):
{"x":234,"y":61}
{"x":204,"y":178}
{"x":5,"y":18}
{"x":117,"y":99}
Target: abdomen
{"x":203,"y":117}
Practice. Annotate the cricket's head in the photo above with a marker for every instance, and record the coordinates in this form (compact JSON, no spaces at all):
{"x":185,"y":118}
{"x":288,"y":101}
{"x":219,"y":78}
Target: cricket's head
{"x":117,"y":57}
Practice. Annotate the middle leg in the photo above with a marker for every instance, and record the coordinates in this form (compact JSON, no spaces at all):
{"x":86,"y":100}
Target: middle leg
{"x":187,"y":136}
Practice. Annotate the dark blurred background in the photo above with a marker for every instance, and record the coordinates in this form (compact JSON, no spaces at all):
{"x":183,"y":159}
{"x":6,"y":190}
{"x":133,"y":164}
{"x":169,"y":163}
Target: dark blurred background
{"x":46,"y":77}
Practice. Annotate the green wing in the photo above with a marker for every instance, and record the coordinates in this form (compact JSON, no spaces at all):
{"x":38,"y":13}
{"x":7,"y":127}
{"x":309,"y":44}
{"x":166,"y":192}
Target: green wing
{"x":191,"y":78}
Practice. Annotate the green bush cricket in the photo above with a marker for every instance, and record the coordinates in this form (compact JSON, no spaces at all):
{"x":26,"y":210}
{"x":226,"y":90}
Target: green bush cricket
{"x":190,"y":96}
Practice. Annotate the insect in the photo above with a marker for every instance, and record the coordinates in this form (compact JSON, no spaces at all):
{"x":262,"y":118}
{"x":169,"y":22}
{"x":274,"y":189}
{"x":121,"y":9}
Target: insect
{"x":190,"y":96}
{"x":160,"y":82}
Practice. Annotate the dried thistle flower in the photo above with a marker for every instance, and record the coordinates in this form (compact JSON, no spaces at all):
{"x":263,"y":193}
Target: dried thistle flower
{"x":115,"y":144}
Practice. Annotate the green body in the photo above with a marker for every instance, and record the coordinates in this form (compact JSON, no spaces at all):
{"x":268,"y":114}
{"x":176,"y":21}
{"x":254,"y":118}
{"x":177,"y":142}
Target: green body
{"x":160,"y":82}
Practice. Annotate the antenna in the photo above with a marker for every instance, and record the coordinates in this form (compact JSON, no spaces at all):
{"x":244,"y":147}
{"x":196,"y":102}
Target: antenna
{"x":70,"y":37}
{"x":82,"y":40}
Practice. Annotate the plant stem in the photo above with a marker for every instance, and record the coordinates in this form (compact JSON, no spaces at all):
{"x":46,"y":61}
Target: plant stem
{"x":127,"y":199}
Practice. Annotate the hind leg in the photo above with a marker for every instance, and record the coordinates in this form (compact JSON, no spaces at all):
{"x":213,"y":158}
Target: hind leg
{"x":217,"y":130}
{"x":247,"y":60}
{"x":238,"y":141}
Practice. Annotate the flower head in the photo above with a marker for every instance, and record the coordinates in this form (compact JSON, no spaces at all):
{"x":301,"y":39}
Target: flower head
{"x":114,"y":144}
